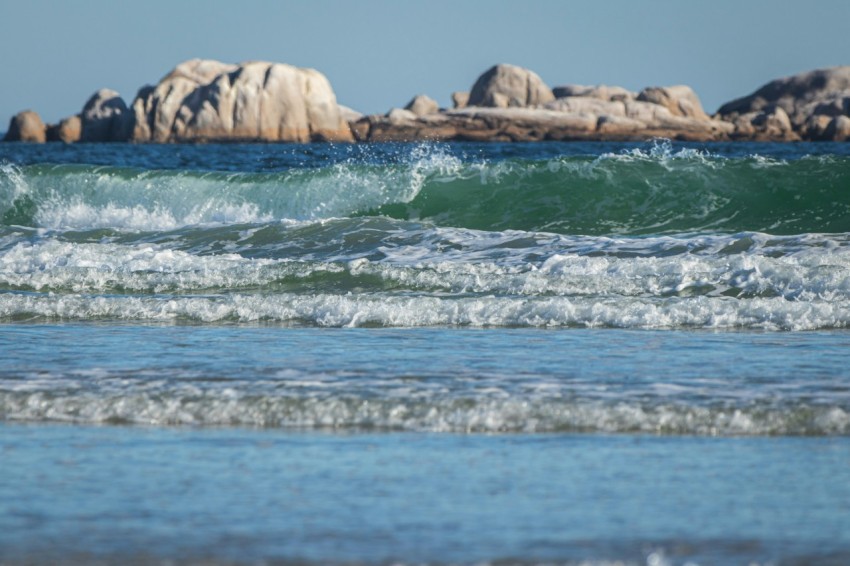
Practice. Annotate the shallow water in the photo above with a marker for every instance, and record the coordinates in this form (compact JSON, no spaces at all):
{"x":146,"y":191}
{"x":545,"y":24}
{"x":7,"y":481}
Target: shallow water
{"x":222,"y":495}
{"x":425,"y":353}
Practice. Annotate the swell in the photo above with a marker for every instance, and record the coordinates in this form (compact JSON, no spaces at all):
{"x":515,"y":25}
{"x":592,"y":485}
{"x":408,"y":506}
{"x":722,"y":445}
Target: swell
{"x":233,"y":408}
{"x":624,"y":194}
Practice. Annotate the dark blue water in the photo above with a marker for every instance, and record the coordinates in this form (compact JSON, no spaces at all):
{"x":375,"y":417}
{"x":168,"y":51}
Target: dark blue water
{"x":425,"y":353}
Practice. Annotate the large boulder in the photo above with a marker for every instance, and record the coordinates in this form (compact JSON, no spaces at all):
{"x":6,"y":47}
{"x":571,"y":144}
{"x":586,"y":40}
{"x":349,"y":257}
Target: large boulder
{"x":422,"y":105}
{"x":803,"y":98}
{"x":504,"y":86}
{"x":203,"y":100}
{"x":68,"y":130}
{"x":680,"y":100}
{"x":106,"y":118}
{"x":460,"y":99}
{"x":26,"y":126}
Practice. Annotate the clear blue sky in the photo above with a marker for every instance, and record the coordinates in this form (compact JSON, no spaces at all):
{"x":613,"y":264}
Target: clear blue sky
{"x":379,"y":53}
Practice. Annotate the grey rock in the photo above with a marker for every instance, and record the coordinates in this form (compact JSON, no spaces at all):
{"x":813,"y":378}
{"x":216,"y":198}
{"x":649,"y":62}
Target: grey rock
{"x":106,"y":118}
{"x":770,"y":123}
{"x":680,"y":100}
{"x":509,"y":86}
{"x":602,"y":92}
{"x":838,"y":128}
{"x":400,"y":116}
{"x":422,"y":105}
{"x":801,"y":96}
{"x":587,"y":105}
{"x":460,"y":99}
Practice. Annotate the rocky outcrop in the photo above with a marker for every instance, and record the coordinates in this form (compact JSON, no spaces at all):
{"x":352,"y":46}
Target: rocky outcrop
{"x":680,"y":100}
{"x":504,"y":86}
{"x":508,"y":103}
{"x":69,"y":130}
{"x":106,"y":118}
{"x":349,"y":115}
{"x":460,"y":99}
{"x":204,"y":100}
{"x":422,"y":105}
{"x":813,"y":102}
{"x":602,"y":92}
{"x":26,"y":126}
{"x":531,"y":124}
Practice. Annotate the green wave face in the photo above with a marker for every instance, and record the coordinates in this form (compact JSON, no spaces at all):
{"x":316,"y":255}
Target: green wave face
{"x":631,"y":194}
{"x":643,"y":196}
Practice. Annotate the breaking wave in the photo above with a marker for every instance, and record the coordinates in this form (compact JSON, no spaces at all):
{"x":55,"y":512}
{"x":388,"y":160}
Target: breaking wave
{"x":633,"y":193}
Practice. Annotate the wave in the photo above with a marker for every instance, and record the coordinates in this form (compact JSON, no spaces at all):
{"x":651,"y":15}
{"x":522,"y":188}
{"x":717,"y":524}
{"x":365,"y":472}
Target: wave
{"x":437,"y":262}
{"x":380,"y":310}
{"x":230,"y":407}
{"x":633,"y":193}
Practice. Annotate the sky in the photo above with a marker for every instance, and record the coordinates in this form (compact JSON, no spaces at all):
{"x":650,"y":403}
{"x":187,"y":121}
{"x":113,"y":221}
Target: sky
{"x":378,"y":54}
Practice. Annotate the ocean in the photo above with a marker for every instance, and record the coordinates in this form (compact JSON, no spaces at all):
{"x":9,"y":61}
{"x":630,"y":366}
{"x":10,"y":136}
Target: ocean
{"x":425,"y":353}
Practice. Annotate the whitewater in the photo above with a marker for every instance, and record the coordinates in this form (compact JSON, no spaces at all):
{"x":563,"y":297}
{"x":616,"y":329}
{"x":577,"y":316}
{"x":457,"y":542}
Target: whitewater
{"x":570,"y":353}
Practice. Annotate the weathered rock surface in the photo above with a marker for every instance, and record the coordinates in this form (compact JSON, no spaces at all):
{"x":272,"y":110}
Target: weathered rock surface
{"x":680,"y":100}
{"x":507,"y":105}
{"x":69,"y":130}
{"x":602,"y":92}
{"x":106,"y":118}
{"x":504,"y":86}
{"x":532,"y":124}
{"x":422,"y":105}
{"x":810,"y":101}
{"x":349,"y":115}
{"x":460,"y":99}
{"x":203,"y":100}
{"x":838,"y":129}
{"x":26,"y":126}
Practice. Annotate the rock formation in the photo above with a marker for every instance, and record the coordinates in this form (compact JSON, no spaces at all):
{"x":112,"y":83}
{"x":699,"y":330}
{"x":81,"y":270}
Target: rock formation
{"x":422,"y":105}
{"x":680,"y":100}
{"x":203,"y":100}
{"x":813,"y":103}
{"x":508,"y":103}
{"x":602,"y":92}
{"x":26,"y":126}
{"x":504,"y":86}
{"x":460,"y":99}
{"x":69,"y":130}
{"x":106,"y":118}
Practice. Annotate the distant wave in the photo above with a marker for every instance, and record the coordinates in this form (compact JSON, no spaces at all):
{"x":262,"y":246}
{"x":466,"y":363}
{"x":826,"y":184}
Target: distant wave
{"x":194,"y":407}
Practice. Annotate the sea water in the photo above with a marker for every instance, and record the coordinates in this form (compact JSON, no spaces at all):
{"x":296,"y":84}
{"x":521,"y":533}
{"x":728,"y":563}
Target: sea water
{"x":425,"y":353}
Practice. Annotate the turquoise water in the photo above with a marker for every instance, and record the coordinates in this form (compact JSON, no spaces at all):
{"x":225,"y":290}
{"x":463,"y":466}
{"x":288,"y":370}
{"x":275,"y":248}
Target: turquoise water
{"x":414,"y":353}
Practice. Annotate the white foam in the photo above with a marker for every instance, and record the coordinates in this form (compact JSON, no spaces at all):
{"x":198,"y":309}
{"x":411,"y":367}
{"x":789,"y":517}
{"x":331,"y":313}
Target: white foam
{"x":232,"y":407}
{"x":350,"y":310}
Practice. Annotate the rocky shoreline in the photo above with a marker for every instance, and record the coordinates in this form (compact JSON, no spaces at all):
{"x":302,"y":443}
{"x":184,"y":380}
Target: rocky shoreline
{"x":209,"y":101}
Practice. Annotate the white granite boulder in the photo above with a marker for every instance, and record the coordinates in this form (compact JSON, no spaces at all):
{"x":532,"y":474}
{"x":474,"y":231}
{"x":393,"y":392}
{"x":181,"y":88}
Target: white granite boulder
{"x":505,"y":86}
{"x":422,"y":105}
{"x":202,"y":100}
{"x":680,"y":100}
